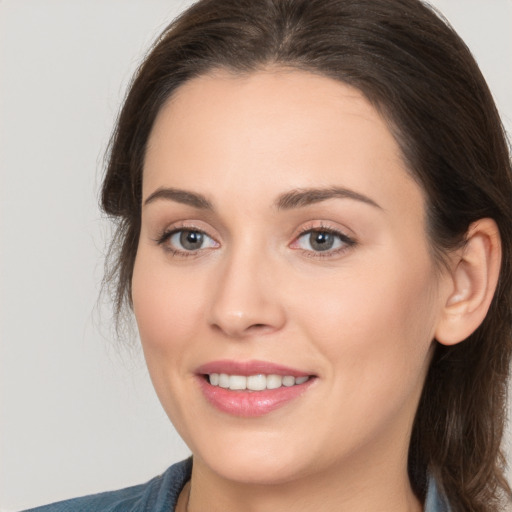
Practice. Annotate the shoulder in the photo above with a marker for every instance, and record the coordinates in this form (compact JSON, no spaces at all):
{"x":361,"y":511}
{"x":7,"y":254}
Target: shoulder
{"x":158,"y":495}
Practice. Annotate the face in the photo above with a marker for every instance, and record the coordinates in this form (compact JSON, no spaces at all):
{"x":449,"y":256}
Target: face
{"x":283,"y":250}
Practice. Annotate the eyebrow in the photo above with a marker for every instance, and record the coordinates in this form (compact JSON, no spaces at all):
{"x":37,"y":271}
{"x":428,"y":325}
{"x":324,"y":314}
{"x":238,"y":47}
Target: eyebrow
{"x":180,"y":196}
{"x":298,"y":198}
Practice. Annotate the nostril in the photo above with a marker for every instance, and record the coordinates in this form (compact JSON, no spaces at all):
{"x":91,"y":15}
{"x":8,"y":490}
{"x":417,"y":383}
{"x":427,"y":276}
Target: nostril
{"x":261,"y":328}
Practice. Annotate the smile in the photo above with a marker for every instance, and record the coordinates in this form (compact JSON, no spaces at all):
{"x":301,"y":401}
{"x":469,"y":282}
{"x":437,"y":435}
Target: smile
{"x":252,"y":388}
{"x":258,"y":382}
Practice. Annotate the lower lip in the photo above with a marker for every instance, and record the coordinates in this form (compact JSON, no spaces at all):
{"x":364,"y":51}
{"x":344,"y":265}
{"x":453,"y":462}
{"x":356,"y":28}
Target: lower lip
{"x":251,"y":404}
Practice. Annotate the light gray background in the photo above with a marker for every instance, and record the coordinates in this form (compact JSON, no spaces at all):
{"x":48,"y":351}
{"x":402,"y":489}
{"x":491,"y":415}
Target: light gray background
{"x":78,"y":414}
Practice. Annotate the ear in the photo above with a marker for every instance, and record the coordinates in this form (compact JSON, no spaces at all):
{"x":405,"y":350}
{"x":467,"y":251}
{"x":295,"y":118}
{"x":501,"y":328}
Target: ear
{"x":473,"y":278}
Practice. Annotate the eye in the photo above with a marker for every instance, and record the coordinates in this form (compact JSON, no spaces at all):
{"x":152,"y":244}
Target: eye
{"x":323,"y":240}
{"x":186,"y":240}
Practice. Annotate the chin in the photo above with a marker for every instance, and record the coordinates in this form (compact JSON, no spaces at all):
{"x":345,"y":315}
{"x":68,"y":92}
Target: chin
{"x":258,"y":458}
{"x":256,"y":469}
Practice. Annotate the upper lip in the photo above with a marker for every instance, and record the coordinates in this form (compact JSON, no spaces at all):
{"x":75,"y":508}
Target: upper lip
{"x":246,"y":368}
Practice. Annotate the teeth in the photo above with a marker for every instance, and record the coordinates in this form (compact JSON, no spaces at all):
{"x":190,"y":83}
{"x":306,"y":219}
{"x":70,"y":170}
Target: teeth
{"x":288,"y":381}
{"x":224,"y":380}
{"x":237,"y":382}
{"x":274,"y":381}
{"x":257,"y":382}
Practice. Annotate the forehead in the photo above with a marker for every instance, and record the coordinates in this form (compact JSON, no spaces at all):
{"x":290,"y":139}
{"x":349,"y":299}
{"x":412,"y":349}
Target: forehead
{"x":266,"y":102}
{"x":279,"y":126}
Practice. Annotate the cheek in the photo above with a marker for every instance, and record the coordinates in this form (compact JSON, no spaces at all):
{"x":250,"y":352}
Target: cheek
{"x":374,"y":331}
{"x":375,"y":325}
{"x":167,"y":307}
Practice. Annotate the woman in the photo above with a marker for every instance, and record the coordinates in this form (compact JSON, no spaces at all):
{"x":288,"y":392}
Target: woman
{"x":314,"y":207}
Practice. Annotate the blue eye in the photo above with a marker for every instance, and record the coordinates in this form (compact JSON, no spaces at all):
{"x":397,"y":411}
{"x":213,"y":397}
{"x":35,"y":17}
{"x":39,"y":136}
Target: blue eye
{"x":321,"y":240}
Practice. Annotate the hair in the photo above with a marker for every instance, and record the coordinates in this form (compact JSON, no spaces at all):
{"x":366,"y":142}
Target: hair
{"x":413,"y":67}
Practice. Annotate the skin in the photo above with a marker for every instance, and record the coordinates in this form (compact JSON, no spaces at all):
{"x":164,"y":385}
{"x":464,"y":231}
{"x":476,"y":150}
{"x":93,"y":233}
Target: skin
{"x":361,"y":318}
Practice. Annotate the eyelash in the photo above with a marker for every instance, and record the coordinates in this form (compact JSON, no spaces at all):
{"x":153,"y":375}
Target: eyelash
{"x":347,"y":241}
{"x":168,"y":233}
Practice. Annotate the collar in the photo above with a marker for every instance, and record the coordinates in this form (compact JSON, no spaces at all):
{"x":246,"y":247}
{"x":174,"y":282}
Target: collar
{"x":435,"y":500}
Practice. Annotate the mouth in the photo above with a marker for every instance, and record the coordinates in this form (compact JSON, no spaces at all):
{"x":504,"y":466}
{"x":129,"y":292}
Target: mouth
{"x":250,"y":389}
{"x":257,"y":382}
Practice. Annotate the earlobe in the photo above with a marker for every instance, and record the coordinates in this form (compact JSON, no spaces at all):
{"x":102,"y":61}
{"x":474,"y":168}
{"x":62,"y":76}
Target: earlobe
{"x":473,"y":279}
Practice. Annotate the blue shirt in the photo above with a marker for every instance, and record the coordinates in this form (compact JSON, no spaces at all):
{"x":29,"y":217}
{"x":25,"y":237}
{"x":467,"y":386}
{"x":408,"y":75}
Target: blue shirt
{"x":161,"y":495}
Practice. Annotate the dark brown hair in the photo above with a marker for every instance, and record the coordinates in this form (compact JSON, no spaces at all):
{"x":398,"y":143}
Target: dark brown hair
{"x":420,"y":75}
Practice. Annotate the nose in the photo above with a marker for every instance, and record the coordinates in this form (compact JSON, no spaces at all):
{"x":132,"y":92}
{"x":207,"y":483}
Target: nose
{"x":246,"y":299}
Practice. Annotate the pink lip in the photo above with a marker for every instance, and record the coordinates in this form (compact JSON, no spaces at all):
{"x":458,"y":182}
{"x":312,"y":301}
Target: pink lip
{"x":250,"y":403}
{"x":249,"y":368}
